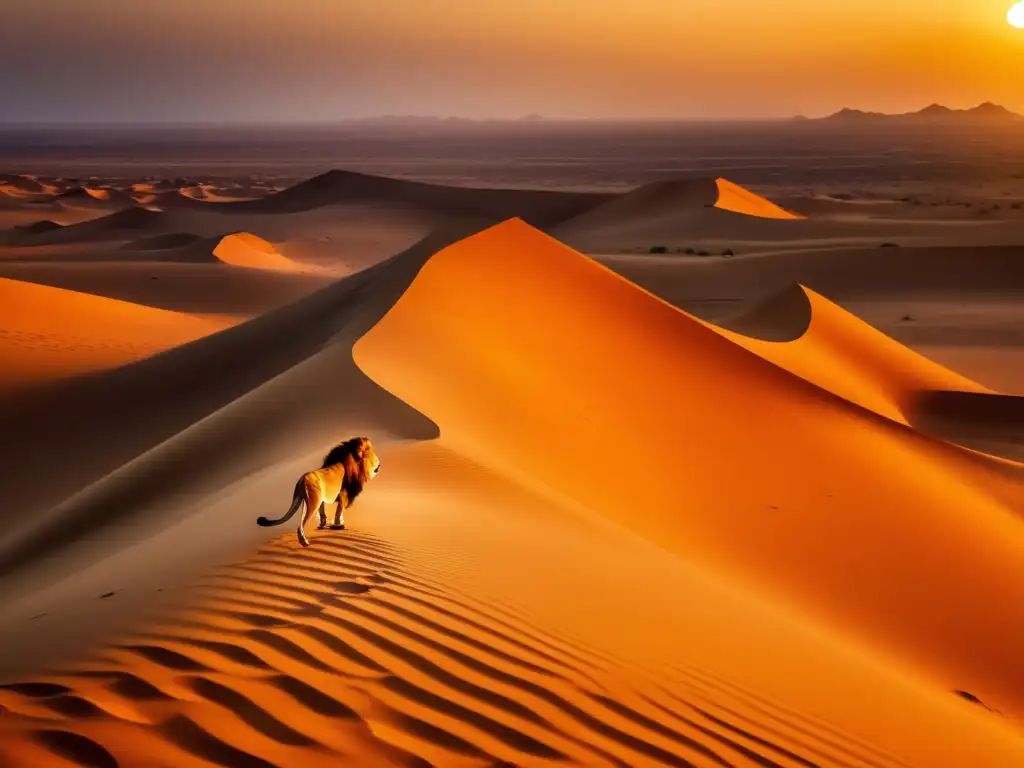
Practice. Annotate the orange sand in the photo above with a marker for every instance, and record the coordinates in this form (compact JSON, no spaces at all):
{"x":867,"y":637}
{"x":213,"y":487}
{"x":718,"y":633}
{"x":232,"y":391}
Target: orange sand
{"x":846,"y":356}
{"x":732,"y":197}
{"x":726,"y":458}
{"x":50,"y":332}
{"x":246,"y":250}
{"x":464,"y":619}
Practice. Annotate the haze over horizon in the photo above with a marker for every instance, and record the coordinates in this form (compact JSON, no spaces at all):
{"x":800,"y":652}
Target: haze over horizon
{"x":322,"y":60}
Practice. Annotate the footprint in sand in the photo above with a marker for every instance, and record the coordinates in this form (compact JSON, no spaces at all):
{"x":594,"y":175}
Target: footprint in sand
{"x":352,"y":587}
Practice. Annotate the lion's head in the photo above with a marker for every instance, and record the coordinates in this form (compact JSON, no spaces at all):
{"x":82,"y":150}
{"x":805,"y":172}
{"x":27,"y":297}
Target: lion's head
{"x":358,"y":456}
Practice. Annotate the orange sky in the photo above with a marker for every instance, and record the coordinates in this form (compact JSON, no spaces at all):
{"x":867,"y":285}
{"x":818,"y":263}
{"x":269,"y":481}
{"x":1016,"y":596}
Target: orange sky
{"x":323,"y":59}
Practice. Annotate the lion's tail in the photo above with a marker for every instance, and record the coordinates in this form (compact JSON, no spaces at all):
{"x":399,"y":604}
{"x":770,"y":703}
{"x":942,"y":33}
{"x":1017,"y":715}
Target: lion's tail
{"x":297,"y":501}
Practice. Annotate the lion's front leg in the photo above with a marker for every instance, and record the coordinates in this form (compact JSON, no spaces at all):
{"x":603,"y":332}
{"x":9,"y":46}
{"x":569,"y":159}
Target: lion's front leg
{"x":322,"y":513}
{"x":339,"y":514}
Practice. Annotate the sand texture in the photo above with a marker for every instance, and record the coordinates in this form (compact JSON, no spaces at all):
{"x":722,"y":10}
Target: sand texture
{"x":635,"y":508}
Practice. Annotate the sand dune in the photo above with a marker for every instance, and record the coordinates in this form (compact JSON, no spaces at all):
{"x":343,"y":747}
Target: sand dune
{"x":141,"y":406}
{"x":832,"y":348}
{"x":104,"y":195}
{"x":94,"y":198}
{"x":20,"y":232}
{"x":219,"y":194}
{"x":23,"y":184}
{"x":901,"y":277}
{"x":195,"y":193}
{"x":118,"y":225}
{"x":27,"y":190}
{"x":801,"y":487}
{"x":239,"y":249}
{"x":674,"y":214}
{"x":733,"y":197}
{"x":339,"y":187}
{"x":340,"y":220}
{"x":14,"y":200}
{"x":347,"y":221}
{"x":243,"y":249}
{"x":48,"y":332}
{"x":191,"y":282}
{"x":146,"y":187}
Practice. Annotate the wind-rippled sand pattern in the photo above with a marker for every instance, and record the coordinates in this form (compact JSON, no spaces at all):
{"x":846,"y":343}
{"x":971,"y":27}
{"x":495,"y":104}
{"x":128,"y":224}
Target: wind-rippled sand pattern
{"x":297,"y":657}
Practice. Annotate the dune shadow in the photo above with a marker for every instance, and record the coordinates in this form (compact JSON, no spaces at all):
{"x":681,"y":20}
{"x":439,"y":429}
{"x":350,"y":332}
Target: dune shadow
{"x":987,"y":422}
{"x":783,"y":317}
{"x":76,"y":748}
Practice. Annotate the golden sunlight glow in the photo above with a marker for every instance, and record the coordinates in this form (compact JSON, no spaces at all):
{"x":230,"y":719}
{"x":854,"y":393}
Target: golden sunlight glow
{"x":1016,"y":15}
{"x":506,"y":58}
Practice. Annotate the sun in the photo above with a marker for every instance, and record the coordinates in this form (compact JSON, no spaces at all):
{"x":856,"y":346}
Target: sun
{"x":1016,"y":15}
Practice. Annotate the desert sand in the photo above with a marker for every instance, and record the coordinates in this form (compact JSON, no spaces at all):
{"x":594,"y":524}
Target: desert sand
{"x":643,"y":502}
{"x":48,"y":333}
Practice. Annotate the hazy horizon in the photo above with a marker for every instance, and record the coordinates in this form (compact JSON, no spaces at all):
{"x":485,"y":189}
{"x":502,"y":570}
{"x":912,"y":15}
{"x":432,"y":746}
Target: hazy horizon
{"x":321,"y":61}
{"x":439,"y":118}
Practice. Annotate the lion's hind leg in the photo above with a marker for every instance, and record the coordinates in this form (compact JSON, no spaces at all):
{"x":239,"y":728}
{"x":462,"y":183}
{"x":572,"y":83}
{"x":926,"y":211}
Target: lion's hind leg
{"x":314,"y":501}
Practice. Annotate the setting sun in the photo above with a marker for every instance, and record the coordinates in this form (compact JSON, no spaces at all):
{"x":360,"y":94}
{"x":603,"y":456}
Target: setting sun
{"x":1016,"y":15}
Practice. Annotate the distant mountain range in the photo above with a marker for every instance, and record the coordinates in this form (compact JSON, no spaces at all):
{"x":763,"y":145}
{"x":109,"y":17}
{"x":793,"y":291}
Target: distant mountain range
{"x":936,"y":113}
{"x":437,"y":120}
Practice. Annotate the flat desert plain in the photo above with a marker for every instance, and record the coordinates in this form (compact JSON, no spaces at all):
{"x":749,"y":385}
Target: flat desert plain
{"x":712,"y":466}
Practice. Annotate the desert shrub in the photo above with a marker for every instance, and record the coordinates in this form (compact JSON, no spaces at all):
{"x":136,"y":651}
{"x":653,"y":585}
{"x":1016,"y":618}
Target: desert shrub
{"x":690,"y":251}
{"x":1016,"y":206}
{"x":728,"y":252}
{"x":906,"y":318}
{"x":657,"y":249}
{"x":703,"y":253}
{"x":889,"y":245}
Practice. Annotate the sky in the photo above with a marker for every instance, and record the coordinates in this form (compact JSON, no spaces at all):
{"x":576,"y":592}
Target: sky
{"x":321,"y":60}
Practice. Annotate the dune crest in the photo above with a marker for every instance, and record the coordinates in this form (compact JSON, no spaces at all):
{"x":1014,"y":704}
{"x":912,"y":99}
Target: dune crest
{"x":830,"y":347}
{"x":733,"y":197}
{"x":243,"y":249}
{"x":549,"y":363}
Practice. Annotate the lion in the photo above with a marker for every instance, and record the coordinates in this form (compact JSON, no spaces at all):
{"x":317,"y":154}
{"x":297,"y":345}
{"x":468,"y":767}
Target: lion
{"x":346,"y":470}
